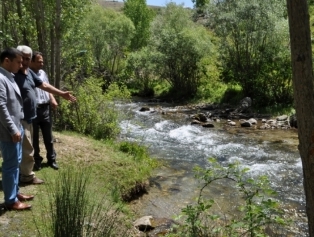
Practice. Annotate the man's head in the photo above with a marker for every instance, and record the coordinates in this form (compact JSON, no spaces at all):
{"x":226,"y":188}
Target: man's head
{"x":11,"y":60}
{"x":37,"y":61}
{"x":27,"y":55}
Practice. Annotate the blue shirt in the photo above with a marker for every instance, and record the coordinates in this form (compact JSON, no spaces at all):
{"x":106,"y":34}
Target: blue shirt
{"x":27,"y":84}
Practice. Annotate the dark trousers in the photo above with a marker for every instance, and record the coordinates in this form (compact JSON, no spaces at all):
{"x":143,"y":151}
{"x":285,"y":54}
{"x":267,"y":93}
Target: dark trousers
{"x":43,"y":121}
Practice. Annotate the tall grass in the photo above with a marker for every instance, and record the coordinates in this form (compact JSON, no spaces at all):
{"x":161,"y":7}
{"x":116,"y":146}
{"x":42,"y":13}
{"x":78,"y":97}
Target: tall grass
{"x":74,"y":211}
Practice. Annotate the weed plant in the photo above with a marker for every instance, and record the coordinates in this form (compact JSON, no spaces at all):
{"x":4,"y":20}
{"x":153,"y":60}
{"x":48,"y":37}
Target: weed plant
{"x":74,"y":211}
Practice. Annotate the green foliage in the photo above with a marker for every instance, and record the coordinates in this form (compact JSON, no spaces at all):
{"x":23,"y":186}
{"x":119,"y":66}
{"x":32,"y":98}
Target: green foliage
{"x":74,"y":212}
{"x":254,"y":48}
{"x":94,"y":112}
{"x":200,"y":3}
{"x":257,"y":211}
{"x":141,"y":16}
{"x":16,"y":27}
{"x":211,"y":87}
{"x":233,"y":94}
{"x":140,"y":68}
{"x":137,"y":151}
{"x":179,"y":46}
{"x":108,"y":36}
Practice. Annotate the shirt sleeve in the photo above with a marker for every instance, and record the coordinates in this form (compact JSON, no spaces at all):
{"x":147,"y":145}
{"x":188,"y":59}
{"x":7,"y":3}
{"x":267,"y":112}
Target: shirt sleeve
{"x":5,"y":118}
{"x":38,"y":82}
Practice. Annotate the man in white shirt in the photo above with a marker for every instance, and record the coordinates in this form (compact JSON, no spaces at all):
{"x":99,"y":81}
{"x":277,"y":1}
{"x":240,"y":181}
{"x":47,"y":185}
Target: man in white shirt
{"x":43,"y":121}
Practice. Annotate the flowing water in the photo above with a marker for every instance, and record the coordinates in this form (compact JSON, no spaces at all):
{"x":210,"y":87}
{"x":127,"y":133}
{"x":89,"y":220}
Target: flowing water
{"x":181,"y":146}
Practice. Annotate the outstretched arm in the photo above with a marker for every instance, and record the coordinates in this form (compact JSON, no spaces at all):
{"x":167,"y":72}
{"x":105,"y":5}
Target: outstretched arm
{"x":51,"y":89}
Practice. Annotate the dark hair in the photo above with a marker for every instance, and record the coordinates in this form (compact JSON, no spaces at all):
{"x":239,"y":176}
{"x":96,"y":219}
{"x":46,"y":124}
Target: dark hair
{"x":35,"y":53}
{"x":9,"y":53}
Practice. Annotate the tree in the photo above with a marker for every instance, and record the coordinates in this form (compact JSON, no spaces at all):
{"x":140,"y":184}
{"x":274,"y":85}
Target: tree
{"x":42,"y":25}
{"x":301,"y":57}
{"x":253,"y":46}
{"x":180,"y":46}
{"x":140,"y":66}
{"x":108,"y":35}
{"x":141,"y":16}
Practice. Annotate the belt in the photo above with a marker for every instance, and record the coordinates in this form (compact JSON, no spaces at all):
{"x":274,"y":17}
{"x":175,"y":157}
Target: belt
{"x":29,"y":121}
{"x":39,"y":106}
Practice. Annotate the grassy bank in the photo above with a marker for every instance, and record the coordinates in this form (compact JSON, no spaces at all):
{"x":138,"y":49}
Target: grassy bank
{"x":115,"y":172}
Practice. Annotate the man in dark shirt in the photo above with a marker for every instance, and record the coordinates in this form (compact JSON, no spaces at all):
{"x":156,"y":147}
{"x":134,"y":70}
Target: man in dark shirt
{"x":27,"y":81}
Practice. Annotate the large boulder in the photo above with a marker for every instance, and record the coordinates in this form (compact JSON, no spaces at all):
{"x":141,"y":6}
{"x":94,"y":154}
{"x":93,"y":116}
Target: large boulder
{"x":244,"y":105}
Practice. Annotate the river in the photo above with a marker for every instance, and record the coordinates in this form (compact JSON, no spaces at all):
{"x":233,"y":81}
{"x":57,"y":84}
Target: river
{"x":181,"y":146}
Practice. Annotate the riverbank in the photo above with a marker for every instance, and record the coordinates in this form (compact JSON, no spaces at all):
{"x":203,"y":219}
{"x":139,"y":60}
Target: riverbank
{"x":114,"y":175}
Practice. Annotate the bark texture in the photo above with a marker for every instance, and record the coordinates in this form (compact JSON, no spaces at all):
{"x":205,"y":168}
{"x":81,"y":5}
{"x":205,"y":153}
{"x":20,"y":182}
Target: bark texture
{"x":301,"y":56}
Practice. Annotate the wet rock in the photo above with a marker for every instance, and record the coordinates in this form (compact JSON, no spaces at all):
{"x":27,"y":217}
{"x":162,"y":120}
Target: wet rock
{"x":265,"y":126}
{"x":252,"y":121}
{"x":196,"y":122}
{"x":245,"y":123}
{"x":143,"y":109}
{"x":208,"y":125}
{"x":282,"y":118}
{"x":283,"y":123}
{"x":231,"y":123}
{"x":200,"y":117}
{"x":144,"y":223}
{"x":271,"y":121}
{"x":216,"y":120}
{"x":153,"y":226}
{"x":161,"y":226}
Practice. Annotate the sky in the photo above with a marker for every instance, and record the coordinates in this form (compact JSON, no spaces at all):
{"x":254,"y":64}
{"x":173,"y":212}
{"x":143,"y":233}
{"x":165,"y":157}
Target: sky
{"x":187,"y":3}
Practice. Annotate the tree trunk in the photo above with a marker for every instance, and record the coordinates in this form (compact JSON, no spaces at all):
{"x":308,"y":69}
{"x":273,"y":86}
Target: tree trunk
{"x":39,"y":15}
{"x":52,"y":55}
{"x":301,"y":57}
{"x":19,"y":12}
{"x":58,"y":43}
{"x":4,"y":27}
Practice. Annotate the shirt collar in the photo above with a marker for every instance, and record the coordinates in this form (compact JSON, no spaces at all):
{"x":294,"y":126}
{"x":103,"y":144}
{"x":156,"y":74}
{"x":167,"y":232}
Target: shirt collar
{"x":6,"y":73}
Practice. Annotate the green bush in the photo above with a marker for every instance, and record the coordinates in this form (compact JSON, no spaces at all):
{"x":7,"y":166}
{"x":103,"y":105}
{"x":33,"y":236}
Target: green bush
{"x":94,"y":113}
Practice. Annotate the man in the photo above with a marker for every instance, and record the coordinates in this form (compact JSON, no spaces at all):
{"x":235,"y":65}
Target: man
{"x":11,"y":130}
{"x":27,"y":81}
{"x":43,"y":119}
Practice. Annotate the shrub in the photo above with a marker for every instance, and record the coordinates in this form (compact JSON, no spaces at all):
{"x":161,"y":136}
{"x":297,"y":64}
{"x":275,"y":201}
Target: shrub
{"x":94,"y":112}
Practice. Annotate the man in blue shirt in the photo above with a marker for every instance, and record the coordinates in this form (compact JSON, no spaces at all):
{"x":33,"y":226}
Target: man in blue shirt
{"x":27,"y":81}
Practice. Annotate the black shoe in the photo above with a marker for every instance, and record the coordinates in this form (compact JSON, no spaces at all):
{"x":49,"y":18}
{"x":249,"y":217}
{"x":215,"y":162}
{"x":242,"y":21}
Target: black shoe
{"x":53,"y":165}
{"x":37,"y":166}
